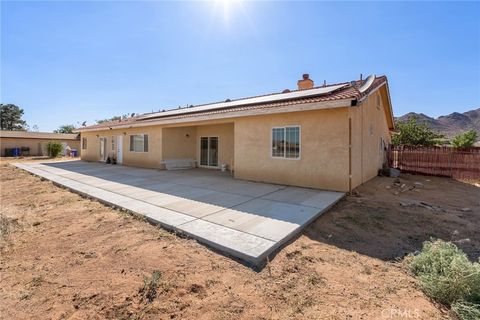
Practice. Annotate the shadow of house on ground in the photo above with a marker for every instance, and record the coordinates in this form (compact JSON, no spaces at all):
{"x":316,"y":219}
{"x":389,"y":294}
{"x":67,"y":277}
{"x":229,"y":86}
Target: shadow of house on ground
{"x":388,"y":222}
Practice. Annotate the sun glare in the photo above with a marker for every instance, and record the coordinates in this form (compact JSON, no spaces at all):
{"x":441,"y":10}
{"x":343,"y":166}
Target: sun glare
{"x":227,"y":7}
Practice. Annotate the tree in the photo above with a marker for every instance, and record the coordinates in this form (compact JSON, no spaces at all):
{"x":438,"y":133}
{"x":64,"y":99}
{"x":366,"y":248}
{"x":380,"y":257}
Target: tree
{"x":116,"y":118}
{"x":411,"y":133}
{"x":11,"y":117}
{"x":66,"y":128}
{"x":465,"y":140}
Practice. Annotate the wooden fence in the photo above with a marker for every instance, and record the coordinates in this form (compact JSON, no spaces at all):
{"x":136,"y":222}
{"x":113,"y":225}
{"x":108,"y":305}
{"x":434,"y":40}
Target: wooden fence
{"x":437,"y":161}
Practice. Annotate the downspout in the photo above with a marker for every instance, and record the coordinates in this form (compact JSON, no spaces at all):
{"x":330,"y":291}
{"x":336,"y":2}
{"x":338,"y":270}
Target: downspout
{"x":349,"y":154}
{"x":354,"y":103}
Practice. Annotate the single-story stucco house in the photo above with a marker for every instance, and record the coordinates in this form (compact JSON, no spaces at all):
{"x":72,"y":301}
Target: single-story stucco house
{"x":331,"y":137}
{"x":35,"y":143}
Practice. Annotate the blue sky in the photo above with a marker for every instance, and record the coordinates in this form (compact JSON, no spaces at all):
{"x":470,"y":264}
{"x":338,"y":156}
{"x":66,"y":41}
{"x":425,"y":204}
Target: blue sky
{"x":68,"y":62}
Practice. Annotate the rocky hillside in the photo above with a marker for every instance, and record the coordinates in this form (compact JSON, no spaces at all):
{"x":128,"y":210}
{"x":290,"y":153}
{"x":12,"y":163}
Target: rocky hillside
{"x":450,"y":125}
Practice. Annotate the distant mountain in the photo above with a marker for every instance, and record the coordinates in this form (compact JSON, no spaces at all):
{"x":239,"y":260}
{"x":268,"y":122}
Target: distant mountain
{"x":449,"y":125}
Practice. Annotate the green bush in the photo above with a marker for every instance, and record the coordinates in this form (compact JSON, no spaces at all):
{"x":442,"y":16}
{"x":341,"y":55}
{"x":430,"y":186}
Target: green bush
{"x":449,"y":277}
{"x":465,"y":140}
{"x":466,"y":310}
{"x":54,"y":148}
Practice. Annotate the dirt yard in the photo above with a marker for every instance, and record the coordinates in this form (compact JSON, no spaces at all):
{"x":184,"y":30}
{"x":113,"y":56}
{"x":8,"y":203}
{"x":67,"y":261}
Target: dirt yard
{"x":66,"y":257}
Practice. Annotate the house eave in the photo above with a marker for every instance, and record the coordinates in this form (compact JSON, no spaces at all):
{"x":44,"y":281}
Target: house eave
{"x":229,"y":114}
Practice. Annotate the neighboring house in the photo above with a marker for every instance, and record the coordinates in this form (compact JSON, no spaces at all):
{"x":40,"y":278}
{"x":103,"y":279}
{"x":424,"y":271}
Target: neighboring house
{"x":329,"y":137}
{"x":35,"y":143}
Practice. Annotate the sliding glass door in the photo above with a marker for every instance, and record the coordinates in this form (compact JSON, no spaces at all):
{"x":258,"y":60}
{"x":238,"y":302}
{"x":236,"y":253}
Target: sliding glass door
{"x":209,"y":151}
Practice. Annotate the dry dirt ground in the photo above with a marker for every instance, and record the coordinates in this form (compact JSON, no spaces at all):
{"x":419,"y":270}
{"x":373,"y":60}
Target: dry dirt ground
{"x":66,"y":257}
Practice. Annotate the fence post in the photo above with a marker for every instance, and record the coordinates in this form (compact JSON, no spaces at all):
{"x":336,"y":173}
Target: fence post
{"x":450,"y":161}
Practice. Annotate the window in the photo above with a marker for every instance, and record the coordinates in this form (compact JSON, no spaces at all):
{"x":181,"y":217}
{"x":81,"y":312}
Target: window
{"x":286,"y":142}
{"x":113,"y":143}
{"x":139,"y":143}
{"x":84,"y":143}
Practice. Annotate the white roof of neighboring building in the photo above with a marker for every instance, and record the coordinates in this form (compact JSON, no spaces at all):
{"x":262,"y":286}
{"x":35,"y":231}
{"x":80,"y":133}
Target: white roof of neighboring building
{"x":38,"y":135}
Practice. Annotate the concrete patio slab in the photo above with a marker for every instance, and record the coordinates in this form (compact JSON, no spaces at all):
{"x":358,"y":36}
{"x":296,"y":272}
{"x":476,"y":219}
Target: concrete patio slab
{"x":244,"y":219}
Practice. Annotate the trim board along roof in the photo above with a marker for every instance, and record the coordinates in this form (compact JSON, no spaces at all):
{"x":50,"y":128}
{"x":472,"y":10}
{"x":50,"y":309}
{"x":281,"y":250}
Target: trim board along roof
{"x":17,"y":134}
{"x":345,"y":94}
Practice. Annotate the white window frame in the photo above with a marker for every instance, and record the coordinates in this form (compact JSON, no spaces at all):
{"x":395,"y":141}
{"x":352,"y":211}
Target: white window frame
{"x":284,"y":134}
{"x":143,"y":139}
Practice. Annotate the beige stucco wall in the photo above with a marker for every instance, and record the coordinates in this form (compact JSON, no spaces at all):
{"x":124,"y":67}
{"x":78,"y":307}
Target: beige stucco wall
{"x":179,"y":143}
{"x":225,"y":134}
{"x":163,"y":143}
{"x":37,"y":146}
{"x":150,"y":159}
{"x":324,"y":155}
{"x":323,"y":159}
{"x":369,"y":124}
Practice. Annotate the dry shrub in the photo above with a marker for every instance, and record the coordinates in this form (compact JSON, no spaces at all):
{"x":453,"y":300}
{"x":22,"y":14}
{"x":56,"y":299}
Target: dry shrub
{"x":150,"y":286}
{"x":449,"y":277}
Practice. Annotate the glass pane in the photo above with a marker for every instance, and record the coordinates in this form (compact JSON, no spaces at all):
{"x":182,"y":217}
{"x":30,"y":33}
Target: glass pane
{"x":278,"y":146}
{"x":102,"y":148}
{"x":213,"y":158}
{"x":137,"y":141}
{"x":292,"y":143}
{"x":204,"y":151}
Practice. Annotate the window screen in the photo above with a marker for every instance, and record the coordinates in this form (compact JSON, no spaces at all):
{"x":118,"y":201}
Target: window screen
{"x":286,"y":142}
{"x":139,"y":143}
{"x":278,"y":142}
{"x":292,"y":142}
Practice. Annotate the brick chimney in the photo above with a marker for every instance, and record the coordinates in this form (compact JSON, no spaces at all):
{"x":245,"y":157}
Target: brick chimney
{"x":305,"y":83}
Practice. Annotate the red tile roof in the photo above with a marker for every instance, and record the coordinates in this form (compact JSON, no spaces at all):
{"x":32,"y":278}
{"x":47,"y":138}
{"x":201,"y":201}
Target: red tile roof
{"x":350,"y":91}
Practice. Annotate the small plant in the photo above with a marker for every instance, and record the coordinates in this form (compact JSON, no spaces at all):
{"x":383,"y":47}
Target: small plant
{"x":36,"y":281}
{"x":447,"y":276}
{"x":150,"y":286}
{"x":465,"y":140}
{"x":54,"y":148}
{"x":315,"y":279}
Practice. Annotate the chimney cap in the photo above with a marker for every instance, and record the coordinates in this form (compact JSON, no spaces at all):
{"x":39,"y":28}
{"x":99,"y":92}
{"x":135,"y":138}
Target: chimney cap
{"x":305,"y":76}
